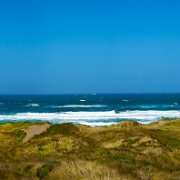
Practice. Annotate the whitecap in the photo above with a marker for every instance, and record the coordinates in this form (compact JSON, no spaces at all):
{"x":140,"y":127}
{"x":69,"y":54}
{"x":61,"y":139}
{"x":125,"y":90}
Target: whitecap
{"x":82,"y":100}
{"x":125,"y":100}
{"x":32,"y":105}
{"x":154,"y":106}
{"x":79,"y":106}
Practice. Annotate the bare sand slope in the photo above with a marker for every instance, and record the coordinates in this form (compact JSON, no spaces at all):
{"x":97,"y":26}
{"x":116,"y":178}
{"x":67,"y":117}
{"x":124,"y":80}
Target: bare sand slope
{"x":35,"y":130}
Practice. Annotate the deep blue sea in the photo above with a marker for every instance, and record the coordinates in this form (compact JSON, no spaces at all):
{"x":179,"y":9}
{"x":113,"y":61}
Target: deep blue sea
{"x":92,"y":109}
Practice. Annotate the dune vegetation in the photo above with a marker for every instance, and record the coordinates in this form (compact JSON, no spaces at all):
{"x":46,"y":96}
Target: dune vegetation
{"x":127,"y":150}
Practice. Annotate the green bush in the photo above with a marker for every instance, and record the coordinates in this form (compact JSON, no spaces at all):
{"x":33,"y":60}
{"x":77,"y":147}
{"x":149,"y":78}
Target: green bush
{"x":45,"y":169}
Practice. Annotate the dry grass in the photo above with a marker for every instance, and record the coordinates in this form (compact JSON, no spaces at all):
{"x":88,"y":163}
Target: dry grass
{"x":88,"y":170}
{"x":127,"y":150}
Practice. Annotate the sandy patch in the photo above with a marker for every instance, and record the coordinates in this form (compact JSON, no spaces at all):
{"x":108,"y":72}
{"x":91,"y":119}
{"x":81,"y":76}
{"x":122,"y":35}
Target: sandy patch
{"x":35,"y":130}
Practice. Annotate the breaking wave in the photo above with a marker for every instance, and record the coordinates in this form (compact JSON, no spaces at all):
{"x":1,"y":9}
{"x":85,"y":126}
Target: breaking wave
{"x":79,"y":106}
{"x":92,"y":118}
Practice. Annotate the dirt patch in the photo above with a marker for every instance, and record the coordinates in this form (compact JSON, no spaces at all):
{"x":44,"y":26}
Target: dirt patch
{"x":35,"y":130}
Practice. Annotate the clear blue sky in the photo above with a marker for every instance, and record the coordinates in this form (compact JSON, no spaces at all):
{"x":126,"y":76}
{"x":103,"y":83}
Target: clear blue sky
{"x":89,"y":46}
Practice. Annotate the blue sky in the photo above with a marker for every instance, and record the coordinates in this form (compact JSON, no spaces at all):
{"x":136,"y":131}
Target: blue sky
{"x":109,"y":46}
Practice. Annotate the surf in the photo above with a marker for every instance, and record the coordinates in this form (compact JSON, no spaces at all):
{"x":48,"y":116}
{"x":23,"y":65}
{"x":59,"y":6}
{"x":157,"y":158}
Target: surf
{"x":92,"y":117}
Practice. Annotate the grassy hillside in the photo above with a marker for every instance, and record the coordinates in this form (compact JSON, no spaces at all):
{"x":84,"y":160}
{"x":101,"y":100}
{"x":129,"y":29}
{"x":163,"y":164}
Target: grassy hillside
{"x":127,"y":150}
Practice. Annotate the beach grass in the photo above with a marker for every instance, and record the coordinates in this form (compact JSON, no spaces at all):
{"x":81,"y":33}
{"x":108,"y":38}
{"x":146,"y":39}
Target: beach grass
{"x":127,"y":150}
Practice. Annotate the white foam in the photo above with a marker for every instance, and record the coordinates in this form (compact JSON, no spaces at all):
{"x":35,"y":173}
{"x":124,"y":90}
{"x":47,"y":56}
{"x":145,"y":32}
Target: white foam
{"x":79,"y":106}
{"x":96,"y":123}
{"x":32,"y":105}
{"x":94,"y":118}
{"x":155,"y":106}
{"x":82,"y":100}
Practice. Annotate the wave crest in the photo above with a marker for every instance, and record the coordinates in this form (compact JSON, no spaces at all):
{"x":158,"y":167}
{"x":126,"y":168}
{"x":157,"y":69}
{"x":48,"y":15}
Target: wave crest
{"x":79,"y":106}
{"x":32,"y":105}
{"x":94,"y":118}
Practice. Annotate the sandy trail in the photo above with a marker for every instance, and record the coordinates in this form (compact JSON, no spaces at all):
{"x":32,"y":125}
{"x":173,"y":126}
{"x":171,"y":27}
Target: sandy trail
{"x":35,"y":130}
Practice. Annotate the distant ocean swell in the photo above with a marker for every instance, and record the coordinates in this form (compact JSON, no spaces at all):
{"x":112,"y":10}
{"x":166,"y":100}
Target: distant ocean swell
{"x":92,"y":118}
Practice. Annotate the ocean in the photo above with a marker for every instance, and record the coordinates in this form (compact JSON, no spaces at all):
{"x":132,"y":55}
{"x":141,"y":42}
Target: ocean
{"x":89,"y":109}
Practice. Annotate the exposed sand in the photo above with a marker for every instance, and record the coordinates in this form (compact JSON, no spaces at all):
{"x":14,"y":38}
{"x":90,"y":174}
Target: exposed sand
{"x":35,"y":130}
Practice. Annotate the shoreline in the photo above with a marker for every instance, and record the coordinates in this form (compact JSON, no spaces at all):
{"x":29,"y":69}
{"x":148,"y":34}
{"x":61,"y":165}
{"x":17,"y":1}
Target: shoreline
{"x":78,"y":124}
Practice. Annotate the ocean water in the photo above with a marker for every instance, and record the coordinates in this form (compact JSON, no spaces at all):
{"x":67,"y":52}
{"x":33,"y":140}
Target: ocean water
{"x":93,"y":110}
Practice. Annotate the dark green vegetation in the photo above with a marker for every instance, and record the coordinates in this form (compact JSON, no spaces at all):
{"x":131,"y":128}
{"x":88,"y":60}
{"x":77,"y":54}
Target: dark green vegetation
{"x":44,"y":170}
{"x":127,"y":150}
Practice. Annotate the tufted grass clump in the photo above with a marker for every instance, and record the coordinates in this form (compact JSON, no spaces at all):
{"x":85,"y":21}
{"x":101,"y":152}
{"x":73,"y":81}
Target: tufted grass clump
{"x":45,"y":169}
